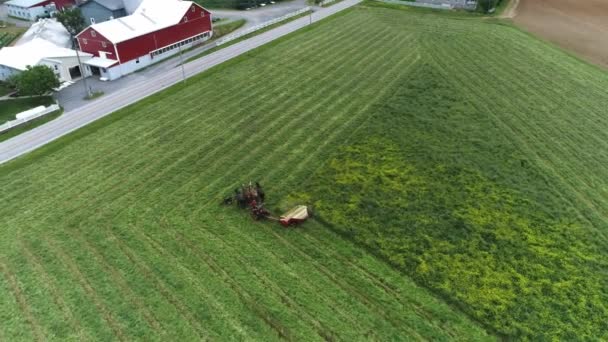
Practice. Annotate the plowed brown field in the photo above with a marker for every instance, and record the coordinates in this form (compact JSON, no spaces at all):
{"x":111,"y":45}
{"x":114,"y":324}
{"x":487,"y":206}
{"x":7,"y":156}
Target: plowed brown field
{"x":580,"y":26}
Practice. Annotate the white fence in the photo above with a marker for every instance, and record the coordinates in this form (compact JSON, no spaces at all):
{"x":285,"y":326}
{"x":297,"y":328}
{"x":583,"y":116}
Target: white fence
{"x":12,"y":124}
{"x":437,"y":4}
{"x":261,"y":26}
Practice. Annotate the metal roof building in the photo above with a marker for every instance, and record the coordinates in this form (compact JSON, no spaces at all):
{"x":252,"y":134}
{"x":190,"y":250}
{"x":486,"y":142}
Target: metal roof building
{"x":156,"y":30}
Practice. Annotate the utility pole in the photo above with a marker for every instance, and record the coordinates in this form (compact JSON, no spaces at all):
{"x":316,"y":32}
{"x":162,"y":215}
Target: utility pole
{"x":82,"y":72}
{"x":181,"y":61}
{"x":310,"y":17}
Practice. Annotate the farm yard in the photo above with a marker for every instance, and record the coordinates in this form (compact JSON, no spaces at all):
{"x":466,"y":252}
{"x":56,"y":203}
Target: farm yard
{"x":458,"y":186}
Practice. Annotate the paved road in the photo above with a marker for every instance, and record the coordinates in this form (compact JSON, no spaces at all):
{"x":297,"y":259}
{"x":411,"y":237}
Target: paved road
{"x":72,"y":120}
{"x":262,"y":14}
{"x":72,"y":97}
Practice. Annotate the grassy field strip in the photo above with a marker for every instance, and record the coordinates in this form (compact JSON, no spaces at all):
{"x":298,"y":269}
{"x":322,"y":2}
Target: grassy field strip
{"x":379,"y":285}
{"x":553,"y":89}
{"x":147,"y":147}
{"x":268,"y":284}
{"x":569,"y":71}
{"x":570,"y":65}
{"x":30,"y":324}
{"x":175,"y":317}
{"x":109,"y":316}
{"x":51,"y":287}
{"x":295,"y":291}
{"x":208,"y":274}
{"x":571,"y":151}
{"x":89,"y":318}
{"x":241,"y":291}
{"x":138,"y":130}
{"x":213,"y":306}
{"x":125,"y":290}
{"x":541,"y":159}
{"x":299,"y":286}
{"x":42,"y":310}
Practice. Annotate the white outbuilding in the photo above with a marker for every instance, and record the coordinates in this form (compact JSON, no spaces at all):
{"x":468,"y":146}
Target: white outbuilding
{"x":33,"y":9}
{"x":62,"y":61}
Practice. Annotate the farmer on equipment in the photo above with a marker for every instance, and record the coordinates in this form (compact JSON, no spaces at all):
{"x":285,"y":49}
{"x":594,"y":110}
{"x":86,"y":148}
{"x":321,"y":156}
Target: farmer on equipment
{"x":253,"y":197}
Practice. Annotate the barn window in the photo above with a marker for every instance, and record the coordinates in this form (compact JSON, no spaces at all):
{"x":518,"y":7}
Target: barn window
{"x":84,"y":41}
{"x":93,"y":34}
{"x":103,"y":44}
{"x":202,"y":13}
{"x":185,"y":19}
{"x":192,"y":9}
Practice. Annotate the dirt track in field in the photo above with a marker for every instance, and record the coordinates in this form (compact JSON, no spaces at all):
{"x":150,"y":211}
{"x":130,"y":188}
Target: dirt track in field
{"x":580,"y":26}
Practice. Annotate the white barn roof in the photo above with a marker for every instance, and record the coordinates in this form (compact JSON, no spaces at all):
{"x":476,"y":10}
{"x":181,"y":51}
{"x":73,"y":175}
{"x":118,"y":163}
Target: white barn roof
{"x":131,"y":5}
{"x":32,"y":52}
{"x":48,"y":29}
{"x":24,"y":3}
{"x":150,"y":16}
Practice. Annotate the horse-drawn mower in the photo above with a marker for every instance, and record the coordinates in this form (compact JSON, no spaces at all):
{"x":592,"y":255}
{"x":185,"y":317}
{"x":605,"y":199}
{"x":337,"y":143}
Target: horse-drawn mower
{"x":252,"y":197}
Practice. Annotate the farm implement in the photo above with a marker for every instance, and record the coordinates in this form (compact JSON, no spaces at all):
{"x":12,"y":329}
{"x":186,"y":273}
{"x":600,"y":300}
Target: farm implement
{"x":252,"y":197}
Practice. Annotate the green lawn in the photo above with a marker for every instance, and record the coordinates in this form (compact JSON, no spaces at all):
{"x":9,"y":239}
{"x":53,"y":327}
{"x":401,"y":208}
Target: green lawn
{"x":10,"y":108}
{"x":115,"y":232}
{"x":4,"y":89}
{"x":223,"y":29}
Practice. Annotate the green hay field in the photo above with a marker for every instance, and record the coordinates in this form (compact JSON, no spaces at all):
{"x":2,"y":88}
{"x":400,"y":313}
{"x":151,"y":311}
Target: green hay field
{"x":459,"y":186}
{"x":115,"y":232}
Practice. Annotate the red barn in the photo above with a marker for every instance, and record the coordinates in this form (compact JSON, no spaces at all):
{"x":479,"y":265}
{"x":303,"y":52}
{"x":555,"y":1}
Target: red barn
{"x":155,"y":31}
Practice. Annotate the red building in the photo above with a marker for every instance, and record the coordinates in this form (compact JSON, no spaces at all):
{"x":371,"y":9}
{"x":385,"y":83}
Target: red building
{"x":155,"y":31}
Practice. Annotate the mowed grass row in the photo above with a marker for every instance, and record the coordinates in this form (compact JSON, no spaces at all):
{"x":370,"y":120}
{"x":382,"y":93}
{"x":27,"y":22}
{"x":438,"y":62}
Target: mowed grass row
{"x":115,"y":232}
{"x":482,"y":177}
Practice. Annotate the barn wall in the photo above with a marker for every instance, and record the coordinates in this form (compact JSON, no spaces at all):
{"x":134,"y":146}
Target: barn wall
{"x":95,"y":44}
{"x":6,"y":72}
{"x":98,"y":13}
{"x":199,"y":21}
